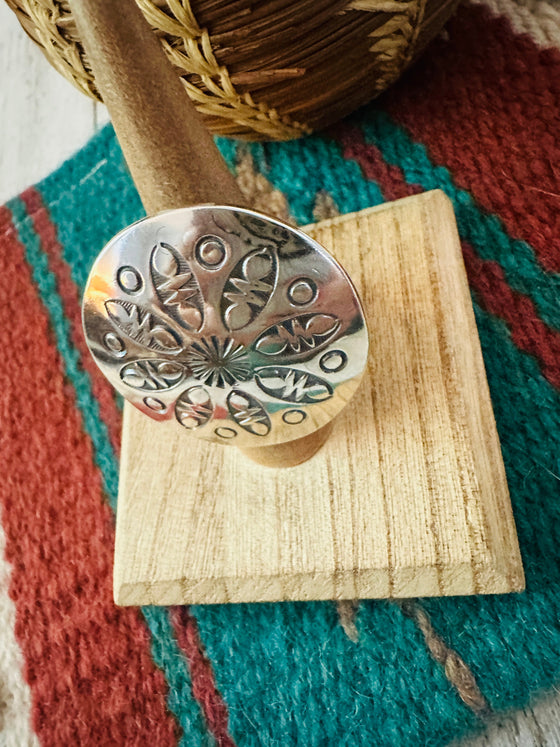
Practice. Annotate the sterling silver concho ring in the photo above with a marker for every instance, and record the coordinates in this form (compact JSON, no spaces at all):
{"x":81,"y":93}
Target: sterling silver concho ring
{"x":239,"y":328}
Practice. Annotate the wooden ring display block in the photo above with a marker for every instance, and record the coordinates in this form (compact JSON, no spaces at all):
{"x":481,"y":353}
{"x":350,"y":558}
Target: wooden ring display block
{"x":408,"y":497}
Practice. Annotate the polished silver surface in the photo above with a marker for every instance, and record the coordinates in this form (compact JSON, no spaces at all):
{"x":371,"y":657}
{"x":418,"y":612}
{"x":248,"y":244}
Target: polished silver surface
{"x":242,"y":329}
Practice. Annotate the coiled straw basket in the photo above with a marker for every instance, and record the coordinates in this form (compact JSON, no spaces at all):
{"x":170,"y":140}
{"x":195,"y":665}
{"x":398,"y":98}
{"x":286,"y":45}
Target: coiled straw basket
{"x":274,"y":69}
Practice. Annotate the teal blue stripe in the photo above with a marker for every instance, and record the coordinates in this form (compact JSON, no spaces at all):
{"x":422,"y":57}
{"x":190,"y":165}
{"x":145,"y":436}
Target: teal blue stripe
{"x":228,"y":149}
{"x":483,"y":230}
{"x":46,"y":284}
{"x":170,"y":659}
{"x":90,"y":199}
{"x":512,"y":642}
{"x":302,"y":168}
{"x":291,"y":676}
{"x":165,"y":652}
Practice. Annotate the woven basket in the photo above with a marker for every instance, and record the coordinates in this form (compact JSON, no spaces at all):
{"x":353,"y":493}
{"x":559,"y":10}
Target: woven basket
{"x":276,"y":69}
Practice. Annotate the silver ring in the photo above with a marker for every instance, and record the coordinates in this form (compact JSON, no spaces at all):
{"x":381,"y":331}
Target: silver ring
{"x":240,"y":328}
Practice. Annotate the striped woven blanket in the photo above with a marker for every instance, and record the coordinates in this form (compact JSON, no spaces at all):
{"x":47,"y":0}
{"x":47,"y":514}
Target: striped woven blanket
{"x":478,"y":117}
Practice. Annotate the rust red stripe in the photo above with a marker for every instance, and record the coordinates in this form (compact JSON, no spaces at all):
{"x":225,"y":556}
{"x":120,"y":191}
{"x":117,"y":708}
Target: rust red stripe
{"x":528,"y":332}
{"x":485,"y":103}
{"x":204,"y":689}
{"x":486,"y":277}
{"x":5,"y":220}
{"x":68,"y":292}
{"x":87,"y":662}
{"x":370,"y":159}
{"x":202,"y":676}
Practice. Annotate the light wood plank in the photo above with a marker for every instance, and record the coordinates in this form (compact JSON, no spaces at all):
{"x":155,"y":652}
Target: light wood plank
{"x":407,"y":498}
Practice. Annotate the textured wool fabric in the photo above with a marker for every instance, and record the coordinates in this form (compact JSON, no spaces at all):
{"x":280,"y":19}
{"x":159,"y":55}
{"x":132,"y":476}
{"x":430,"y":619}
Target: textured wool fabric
{"x":14,"y":691}
{"x":476,"y":117}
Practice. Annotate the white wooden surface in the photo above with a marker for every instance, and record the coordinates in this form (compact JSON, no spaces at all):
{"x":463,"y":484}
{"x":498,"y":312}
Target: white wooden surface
{"x":535,"y":726}
{"x":43,"y":121}
{"x":43,"y":118}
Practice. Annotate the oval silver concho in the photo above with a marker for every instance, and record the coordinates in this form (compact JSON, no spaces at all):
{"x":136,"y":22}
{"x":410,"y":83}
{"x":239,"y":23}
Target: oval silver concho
{"x":240,"y":328}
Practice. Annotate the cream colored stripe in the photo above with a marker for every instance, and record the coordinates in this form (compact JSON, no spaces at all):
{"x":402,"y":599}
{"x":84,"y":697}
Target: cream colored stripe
{"x":538,"y":18}
{"x":258,"y":191}
{"x":456,"y":670}
{"x":15,"y":696}
{"x":325,"y":207}
{"x":347,"y":612}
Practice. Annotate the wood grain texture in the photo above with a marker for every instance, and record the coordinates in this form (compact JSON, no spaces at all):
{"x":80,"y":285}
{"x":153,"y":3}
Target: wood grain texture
{"x":408,"y":497}
{"x":537,"y":725}
{"x":44,"y":120}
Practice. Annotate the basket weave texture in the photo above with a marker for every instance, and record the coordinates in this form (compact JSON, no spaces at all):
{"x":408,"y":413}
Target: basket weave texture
{"x":276,"y":69}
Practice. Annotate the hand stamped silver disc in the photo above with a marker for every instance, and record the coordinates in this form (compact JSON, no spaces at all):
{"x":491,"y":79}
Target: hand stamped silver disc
{"x":239,"y":327}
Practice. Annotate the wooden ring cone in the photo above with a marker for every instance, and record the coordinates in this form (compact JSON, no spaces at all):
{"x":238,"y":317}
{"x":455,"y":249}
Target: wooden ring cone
{"x":239,"y":327}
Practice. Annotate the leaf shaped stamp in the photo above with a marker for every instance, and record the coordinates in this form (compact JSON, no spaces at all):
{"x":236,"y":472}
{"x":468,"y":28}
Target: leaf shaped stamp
{"x":144,"y":327}
{"x":249,"y":288}
{"x":263,"y":229}
{"x":176,"y":286}
{"x":194,"y":407}
{"x":301,"y":334}
{"x":152,"y":374}
{"x":292,"y":385}
{"x":248,"y":412}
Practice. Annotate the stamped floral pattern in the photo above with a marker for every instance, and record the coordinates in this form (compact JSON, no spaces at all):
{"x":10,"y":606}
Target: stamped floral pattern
{"x":216,"y":356}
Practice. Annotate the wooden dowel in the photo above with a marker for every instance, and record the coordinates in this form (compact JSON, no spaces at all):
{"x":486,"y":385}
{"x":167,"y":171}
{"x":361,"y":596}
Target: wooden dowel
{"x":170,"y":153}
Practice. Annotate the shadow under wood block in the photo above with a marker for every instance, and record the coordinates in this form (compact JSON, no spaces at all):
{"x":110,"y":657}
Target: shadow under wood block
{"x":408,"y":496}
